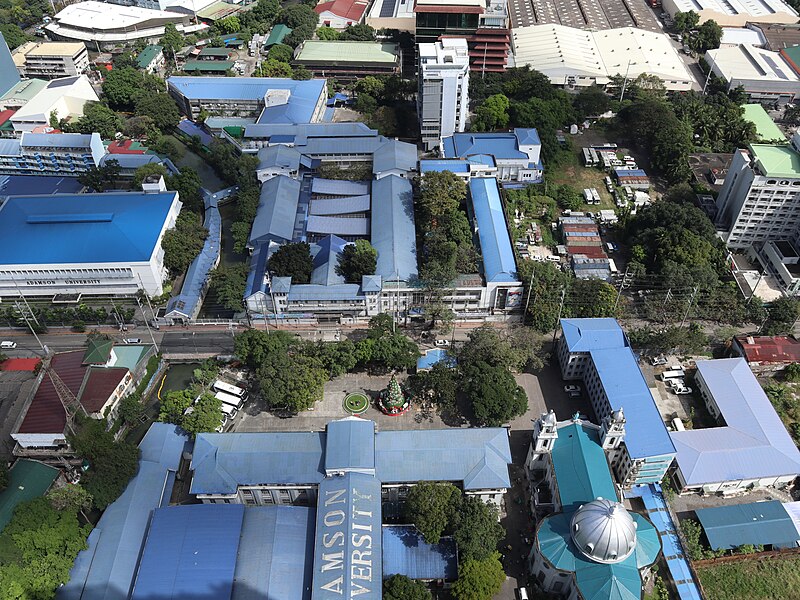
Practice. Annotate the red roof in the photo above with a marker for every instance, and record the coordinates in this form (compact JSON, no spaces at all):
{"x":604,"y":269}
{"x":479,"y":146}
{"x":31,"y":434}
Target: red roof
{"x":46,"y":413}
{"x":123,"y":147}
{"x":100,"y":384}
{"x":576,"y":228}
{"x":5,"y":115}
{"x":19,"y":364}
{"x":765,"y":349}
{"x":589,"y":251}
{"x":351,"y":10}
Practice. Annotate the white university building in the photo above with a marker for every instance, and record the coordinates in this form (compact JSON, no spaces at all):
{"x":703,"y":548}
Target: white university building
{"x":443,"y":89}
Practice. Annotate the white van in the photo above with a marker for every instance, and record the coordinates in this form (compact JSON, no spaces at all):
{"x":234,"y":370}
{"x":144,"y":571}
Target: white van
{"x":7,"y":345}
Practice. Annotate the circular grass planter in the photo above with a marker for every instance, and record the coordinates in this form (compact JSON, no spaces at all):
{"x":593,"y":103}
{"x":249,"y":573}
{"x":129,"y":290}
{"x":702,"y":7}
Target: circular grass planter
{"x":355,"y":404}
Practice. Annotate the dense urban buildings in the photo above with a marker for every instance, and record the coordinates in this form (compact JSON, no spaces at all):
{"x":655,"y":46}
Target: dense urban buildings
{"x":443,"y":97}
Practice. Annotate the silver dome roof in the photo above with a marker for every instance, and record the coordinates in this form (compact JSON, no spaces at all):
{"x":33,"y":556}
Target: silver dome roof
{"x":603,"y":531}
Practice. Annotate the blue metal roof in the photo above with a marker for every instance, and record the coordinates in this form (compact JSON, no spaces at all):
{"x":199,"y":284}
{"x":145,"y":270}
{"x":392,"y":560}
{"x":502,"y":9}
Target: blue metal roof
{"x":341,"y":226}
{"x":499,"y":265}
{"x":59,"y":140}
{"x":341,"y":205}
{"x":753,"y":443}
{"x":434,"y":356}
{"x":478,"y":457}
{"x":83,"y":228}
{"x":499,"y":145}
{"x":325,"y":259}
{"x":329,"y":293}
{"x":191,"y":129}
{"x":405,"y":552}
{"x":624,"y":385}
{"x":394,"y":154}
{"x":275,"y":554}
{"x":279,"y":156}
{"x":105,"y":571}
{"x":393,"y":234}
{"x":339,"y":187}
{"x":300,"y":107}
{"x":347,"y":553}
{"x":277,"y":210}
{"x":583,"y":335}
{"x":454,"y":165}
{"x":221,"y":461}
{"x":350,"y":446}
{"x":527,"y":137}
{"x":756,"y":523}
{"x":301,"y":131}
{"x":14,"y":185}
{"x":190,"y":552}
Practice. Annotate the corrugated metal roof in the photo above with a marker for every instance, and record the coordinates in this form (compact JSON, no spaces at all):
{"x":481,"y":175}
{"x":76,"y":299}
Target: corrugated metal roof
{"x":350,"y":446}
{"x":325,"y":293}
{"x":753,"y":444}
{"x":302,"y":131}
{"x":279,"y":156}
{"x":275,"y":554}
{"x":498,"y":256}
{"x":625,"y":387}
{"x":756,"y":523}
{"x":340,"y":206}
{"x":100,"y":383}
{"x":14,"y":185}
{"x":84,"y":228}
{"x":326,"y":258}
{"x":348,"y":508}
{"x":221,"y":461}
{"x":58,"y":140}
{"x":341,"y":226}
{"x":46,"y":413}
{"x":478,"y":457}
{"x":277,"y":210}
{"x":339,"y":187}
{"x":190,"y":552}
{"x":277,"y":34}
{"x":583,"y":335}
{"x":393,"y":233}
{"x":499,"y":145}
{"x":105,"y":571}
{"x":394,"y":154}
{"x":770,"y":349}
{"x":28,"y":479}
{"x":405,"y":552}
{"x":454,"y":165}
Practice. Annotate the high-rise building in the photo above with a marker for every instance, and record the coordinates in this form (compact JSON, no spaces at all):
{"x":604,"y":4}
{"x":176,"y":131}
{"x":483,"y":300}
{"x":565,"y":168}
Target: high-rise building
{"x":443,"y":89}
{"x":759,"y":201}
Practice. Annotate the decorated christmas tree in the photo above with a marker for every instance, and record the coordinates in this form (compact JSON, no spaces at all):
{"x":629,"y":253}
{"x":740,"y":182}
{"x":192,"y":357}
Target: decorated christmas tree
{"x":393,"y":397}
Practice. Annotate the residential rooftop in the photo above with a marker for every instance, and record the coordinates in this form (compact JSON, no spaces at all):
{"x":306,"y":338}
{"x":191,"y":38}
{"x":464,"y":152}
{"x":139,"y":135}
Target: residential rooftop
{"x":776,"y":160}
{"x":347,"y":52}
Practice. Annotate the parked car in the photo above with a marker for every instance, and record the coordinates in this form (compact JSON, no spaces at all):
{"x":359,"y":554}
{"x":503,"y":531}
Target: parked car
{"x":132,"y":340}
{"x":443,"y":343}
{"x":572,"y":388}
{"x":680,"y":391}
{"x":8,"y":345}
{"x":658,"y":361}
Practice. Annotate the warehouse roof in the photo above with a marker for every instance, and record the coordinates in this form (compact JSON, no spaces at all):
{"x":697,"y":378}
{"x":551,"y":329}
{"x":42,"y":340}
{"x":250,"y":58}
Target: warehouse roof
{"x":190,"y":552}
{"x":753,"y":443}
{"x":626,"y":388}
{"x":103,"y":16}
{"x":406,"y":552}
{"x":756,"y":523}
{"x":749,"y":62}
{"x":763,"y":8}
{"x":359,"y":53}
{"x":496,"y":251}
{"x":85,"y":228}
{"x":28,"y":479}
{"x":583,"y":335}
{"x":393,"y":234}
{"x":105,"y":570}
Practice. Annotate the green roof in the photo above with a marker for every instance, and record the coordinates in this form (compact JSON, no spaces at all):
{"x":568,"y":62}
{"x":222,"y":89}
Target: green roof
{"x":766,"y":129}
{"x":29,"y":479}
{"x":777,"y":160}
{"x":353,"y":52}
{"x":792,"y":54}
{"x":25,"y":90}
{"x":208,"y":65}
{"x":147,"y":55}
{"x":98,"y":352}
{"x":277,"y":34}
{"x":129,"y":356}
{"x":218,"y":10}
{"x":215,"y":52}
{"x":581,"y":468}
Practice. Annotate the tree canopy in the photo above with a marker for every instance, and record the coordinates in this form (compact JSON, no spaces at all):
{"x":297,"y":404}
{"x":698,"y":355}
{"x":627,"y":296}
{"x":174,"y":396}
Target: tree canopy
{"x":228,"y":283}
{"x":431,"y":507}
{"x":479,"y":579}
{"x":477,"y":531}
{"x":292,"y":260}
{"x":97,"y":118}
{"x":493,"y":394}
{"x":357,"y":260}
{"x":183,"y":243}
{"x":400,"y":587}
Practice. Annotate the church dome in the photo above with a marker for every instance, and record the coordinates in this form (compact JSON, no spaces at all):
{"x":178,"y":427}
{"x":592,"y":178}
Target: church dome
{"x":603,"y":531}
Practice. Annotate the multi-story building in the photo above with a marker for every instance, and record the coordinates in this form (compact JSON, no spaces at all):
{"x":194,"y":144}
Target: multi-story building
{"x":515,"y":154}
{"x":348,"y":60}
{"x":50,"y":60}
{"x":597,"y":351}
{"x":63,"y":98}
{"x":443,"y":89}
{"x":57,"y":154}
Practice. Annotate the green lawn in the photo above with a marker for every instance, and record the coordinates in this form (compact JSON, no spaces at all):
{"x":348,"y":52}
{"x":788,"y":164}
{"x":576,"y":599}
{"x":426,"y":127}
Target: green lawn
{"x":580,"y":177}
{"x":753,"y":579}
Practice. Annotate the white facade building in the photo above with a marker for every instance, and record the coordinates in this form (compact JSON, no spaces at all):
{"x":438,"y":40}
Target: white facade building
{"x":734,"y":13}
{"x":50,"y":60}
{"x":107,"y":243}
{"x":65,"y":97}
{"x":58,"y":154}
{"x":443,"y":89}
{"x":765,"y":75}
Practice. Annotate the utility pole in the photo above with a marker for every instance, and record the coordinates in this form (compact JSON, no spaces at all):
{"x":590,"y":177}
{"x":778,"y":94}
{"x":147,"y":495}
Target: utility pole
{"x":530,"y":288}
{"x":625,"y":82}
{"x":560,"y":309}
{"x":689,"y":306}
{"x":26,"y":315}
{"x":147,"y":324}
{"x":623,"y":285}
{"x":755,"y":287}
{"x":667,"y":298}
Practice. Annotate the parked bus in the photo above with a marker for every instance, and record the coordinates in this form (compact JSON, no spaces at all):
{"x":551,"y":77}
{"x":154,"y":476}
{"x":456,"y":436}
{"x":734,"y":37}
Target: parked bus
{"x":228,"y":410}
{"x":229,"y":399}
{"x":672,"y":374}
{"x":221,"y":386}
